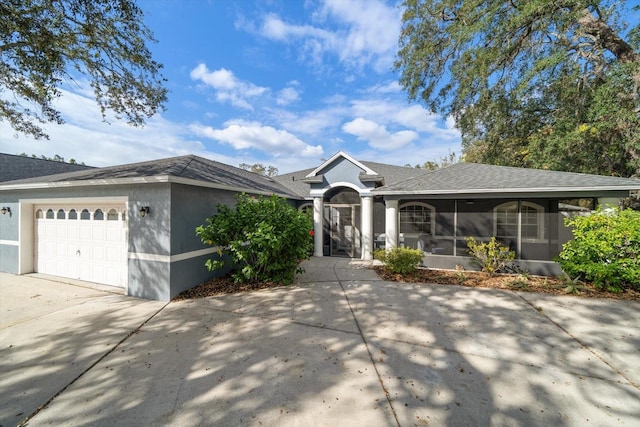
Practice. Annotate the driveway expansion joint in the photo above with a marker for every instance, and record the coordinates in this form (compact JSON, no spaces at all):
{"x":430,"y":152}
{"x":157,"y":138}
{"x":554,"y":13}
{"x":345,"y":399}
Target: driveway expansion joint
{"x":582,"y":344}
{"x":366,"y":344}
{"x":25,"y":421}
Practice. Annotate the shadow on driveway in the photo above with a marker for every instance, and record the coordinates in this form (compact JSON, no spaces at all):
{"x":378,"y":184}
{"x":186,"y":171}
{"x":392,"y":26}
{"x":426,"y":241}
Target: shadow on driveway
{"x":342,"y":347}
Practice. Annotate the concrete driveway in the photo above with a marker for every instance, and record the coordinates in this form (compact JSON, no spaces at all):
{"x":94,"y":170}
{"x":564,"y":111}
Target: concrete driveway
{"x":341,"y":347}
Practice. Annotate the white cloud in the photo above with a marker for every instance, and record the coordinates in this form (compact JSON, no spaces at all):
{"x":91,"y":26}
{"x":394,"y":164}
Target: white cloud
{"x":228,"y":88}
{"x":414,"y":117}
{"x":377,"y":135}
{"x":287,"y":95}
{"x":357,"y":32}
{"x":243,"y":135}
{"x":372,"y":32}
{"x":86,"y":138}
{"x":384,"y":88}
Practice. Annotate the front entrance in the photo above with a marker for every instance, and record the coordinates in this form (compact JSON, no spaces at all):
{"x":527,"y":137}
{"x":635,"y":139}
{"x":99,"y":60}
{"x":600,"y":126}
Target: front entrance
{"x":344,"y":229}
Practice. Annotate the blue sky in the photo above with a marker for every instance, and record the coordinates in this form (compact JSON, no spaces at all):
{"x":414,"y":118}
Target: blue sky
{"x":282,"y":83}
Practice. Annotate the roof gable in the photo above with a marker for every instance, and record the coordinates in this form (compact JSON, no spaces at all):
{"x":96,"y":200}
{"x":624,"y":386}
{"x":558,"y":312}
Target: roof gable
{"x":340,"y":154}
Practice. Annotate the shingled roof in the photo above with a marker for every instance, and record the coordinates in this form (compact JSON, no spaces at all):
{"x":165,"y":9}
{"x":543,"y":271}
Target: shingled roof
{"x":184,"y":169}
{"x":475,"y":178}
{"x":14,"y":167}
{"x":390,"y":174}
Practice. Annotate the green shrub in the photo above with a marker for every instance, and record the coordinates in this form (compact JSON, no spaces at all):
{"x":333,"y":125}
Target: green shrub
{"x":491,"y":256}
{"x":605,"y":249}
{"x":400,"y":260}
{"x":264,"y":238}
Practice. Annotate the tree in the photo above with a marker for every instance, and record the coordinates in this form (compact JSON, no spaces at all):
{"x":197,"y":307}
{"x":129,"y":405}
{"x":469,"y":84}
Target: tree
{"x":450,"y":159}
{"x":260,"y":169}
{"x":46,"y":43}
{"x":531,"y":83}
{"x":55,"y":158}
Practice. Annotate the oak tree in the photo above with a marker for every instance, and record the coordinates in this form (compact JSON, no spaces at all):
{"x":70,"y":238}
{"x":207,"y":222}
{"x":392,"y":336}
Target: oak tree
{"x":47,"y":43}
{"x":535,"y":83}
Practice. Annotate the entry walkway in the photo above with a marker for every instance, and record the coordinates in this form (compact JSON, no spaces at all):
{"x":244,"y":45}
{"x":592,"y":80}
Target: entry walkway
{"x":340,"y":347}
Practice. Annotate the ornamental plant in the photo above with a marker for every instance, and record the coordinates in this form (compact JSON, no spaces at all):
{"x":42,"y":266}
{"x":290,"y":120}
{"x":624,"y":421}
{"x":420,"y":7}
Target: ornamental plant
{"x":491,"y":256}
{"x":400,"y":260}
{"x":263,"y":239}
{"x":605,"y":249}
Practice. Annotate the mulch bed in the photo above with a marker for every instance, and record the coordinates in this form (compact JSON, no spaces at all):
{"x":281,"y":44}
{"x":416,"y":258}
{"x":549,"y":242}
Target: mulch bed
{"x":221,"y":286}
{"x":514,"y":282}
{"x":428,"y":276}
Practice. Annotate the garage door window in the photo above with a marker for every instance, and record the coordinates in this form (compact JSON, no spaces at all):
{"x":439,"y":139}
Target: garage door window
{"x":39,"y":214}
{"x":84,"y":215}
{"x":98,"y":215}
{"x":60,"y":214}
{"x":50,"y":214}
{"x":112,"y":215}
{"x":73,"y":214}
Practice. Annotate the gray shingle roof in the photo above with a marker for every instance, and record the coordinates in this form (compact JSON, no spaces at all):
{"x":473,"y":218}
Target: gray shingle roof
{"x":21,"y":167}
{"x":480,"y":178}
{"x":390,"y":173}
{"x":187,"y":167}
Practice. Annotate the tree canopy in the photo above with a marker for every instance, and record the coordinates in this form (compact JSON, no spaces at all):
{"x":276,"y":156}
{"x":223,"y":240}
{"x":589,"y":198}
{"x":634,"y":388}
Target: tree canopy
{"x":535,"y":83}
{"x":45,"y":43}
{"x":260,"y":169}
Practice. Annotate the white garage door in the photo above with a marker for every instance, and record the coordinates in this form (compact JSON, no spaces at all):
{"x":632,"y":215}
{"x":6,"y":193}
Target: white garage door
{"x":85,"y":242}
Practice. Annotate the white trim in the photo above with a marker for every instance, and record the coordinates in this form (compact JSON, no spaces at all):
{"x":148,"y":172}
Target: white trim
{"x":86,"y":183}
{"x":133,"y":181}
{"x":344,"y":155}
{"x":540,"y":212}
{"x":149,"y":257}
{"x":78,"y":200}
{"x":432,"y":224}
{"x":516,"y":190}
{"x":10,"y":242}
{"x":173,"y":258}
{"x":361,"y":191}
{"x":305,"y":205}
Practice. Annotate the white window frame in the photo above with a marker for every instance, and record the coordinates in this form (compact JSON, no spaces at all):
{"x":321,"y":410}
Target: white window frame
{"x":519,"y":208}
{"x":432,"y":217}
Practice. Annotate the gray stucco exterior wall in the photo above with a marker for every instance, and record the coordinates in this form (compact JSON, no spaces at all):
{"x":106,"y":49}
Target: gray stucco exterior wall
{"x":9,"y":235}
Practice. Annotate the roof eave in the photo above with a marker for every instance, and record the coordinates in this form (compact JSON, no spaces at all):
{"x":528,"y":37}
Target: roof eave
{"x":142,"y":181}
{"x":382,"y":192}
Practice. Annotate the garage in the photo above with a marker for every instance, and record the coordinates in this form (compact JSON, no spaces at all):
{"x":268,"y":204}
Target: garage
{"x":85,"y":242}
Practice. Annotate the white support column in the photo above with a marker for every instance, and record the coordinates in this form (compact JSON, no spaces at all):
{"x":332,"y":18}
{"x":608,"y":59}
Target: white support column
{"x":391,"y":224}
{"x":318,"y":212}
{"x":366,"y":227}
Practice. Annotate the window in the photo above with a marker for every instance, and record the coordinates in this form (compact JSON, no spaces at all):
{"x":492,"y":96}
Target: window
{"x":306,"y":208}
{"x":73,"y":214}
{"x":39,"y":214}
{"x":50,"y":214}
{"x":98,"y":215}
{"x":531,"y":220}
{"x":60,"y":214}
{"x":416,"y":218}
{"x":507,"y":220}
{"x":112,"y":215}
{"x":85,"y":215}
